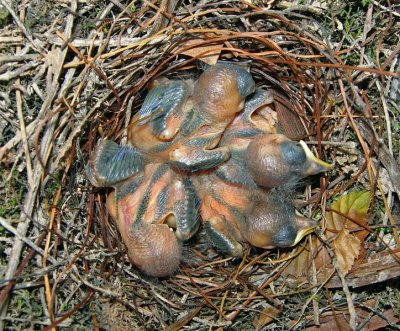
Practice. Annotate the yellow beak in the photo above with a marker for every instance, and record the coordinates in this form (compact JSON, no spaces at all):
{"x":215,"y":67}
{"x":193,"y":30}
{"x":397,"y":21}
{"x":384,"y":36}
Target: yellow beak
{"x":316,"y":165}
{"x":305,"y":225}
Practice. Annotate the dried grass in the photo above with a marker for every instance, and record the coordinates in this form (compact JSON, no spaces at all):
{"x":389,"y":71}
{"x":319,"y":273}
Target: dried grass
{"x":74,"y":71}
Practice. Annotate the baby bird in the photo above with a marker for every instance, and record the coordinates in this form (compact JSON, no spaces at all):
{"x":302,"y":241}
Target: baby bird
{"x":274,"y":222}
{"x":274,"y":160}
{"x":182,"y":122}
{"x":154,"y":207}
{"x":202,"y":147}
{"x":271,"y":159}
{"x":239,"y":211}
{"x":237,"y":204}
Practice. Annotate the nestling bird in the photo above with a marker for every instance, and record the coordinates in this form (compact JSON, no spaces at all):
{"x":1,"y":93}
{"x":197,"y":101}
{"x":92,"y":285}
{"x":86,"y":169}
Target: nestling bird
{"x":237,"y":204}
{"x":154,"y":207}
{"x":202,"y":149}
{"x":274,"y":160}
{"x":182,"y":122}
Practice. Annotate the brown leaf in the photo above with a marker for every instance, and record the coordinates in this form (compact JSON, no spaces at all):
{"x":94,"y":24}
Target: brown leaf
{"x":348,"y":212}
{"x":354,"y":208}
{"x":267,"y":315}
{"x":288,"y":118}
{"x":377,"y":268}
{"x":339,"y":321}
{"x":352,"y":213}
{"x":299,"y":266}
{"x":347,"y":248}
{"x":208,"y":54}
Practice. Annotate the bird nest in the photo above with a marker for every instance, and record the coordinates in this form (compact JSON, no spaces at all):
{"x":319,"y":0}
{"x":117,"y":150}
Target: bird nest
{"x":84,"y":78}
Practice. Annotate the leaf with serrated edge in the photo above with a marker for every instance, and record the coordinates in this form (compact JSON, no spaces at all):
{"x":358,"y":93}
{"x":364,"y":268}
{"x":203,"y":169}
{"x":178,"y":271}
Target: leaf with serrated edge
{"x":347,"y":248}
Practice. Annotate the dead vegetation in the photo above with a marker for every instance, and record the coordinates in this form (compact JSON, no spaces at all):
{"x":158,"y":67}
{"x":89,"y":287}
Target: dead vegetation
{"x":72,"y":71}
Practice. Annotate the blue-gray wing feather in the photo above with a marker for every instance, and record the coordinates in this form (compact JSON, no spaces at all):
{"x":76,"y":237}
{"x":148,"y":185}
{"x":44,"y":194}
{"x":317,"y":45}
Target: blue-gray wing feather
{"x":161,"y":101}
{"x":113,"y":163}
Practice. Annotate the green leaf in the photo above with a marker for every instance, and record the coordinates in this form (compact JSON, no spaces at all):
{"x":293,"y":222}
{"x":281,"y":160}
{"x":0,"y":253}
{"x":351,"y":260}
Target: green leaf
{"x":359,"y":202}
{"x":355,"y":203}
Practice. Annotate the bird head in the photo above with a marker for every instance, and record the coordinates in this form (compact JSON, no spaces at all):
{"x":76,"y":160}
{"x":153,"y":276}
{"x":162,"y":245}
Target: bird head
{"x":274,"y":160}
{"x":274,"y":222}
{"x":221,"y":90}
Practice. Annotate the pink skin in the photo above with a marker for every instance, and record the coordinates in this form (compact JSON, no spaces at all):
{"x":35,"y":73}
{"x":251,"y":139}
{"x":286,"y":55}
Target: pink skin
{"x":152,"y":246}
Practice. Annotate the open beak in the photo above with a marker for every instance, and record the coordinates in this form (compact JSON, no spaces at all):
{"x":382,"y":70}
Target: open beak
{"x":316,"y":165}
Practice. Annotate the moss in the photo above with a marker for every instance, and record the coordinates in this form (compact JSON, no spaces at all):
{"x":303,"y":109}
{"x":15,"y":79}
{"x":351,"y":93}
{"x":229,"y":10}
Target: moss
{"x":4,"y":17}
{"x":12,"y":195}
